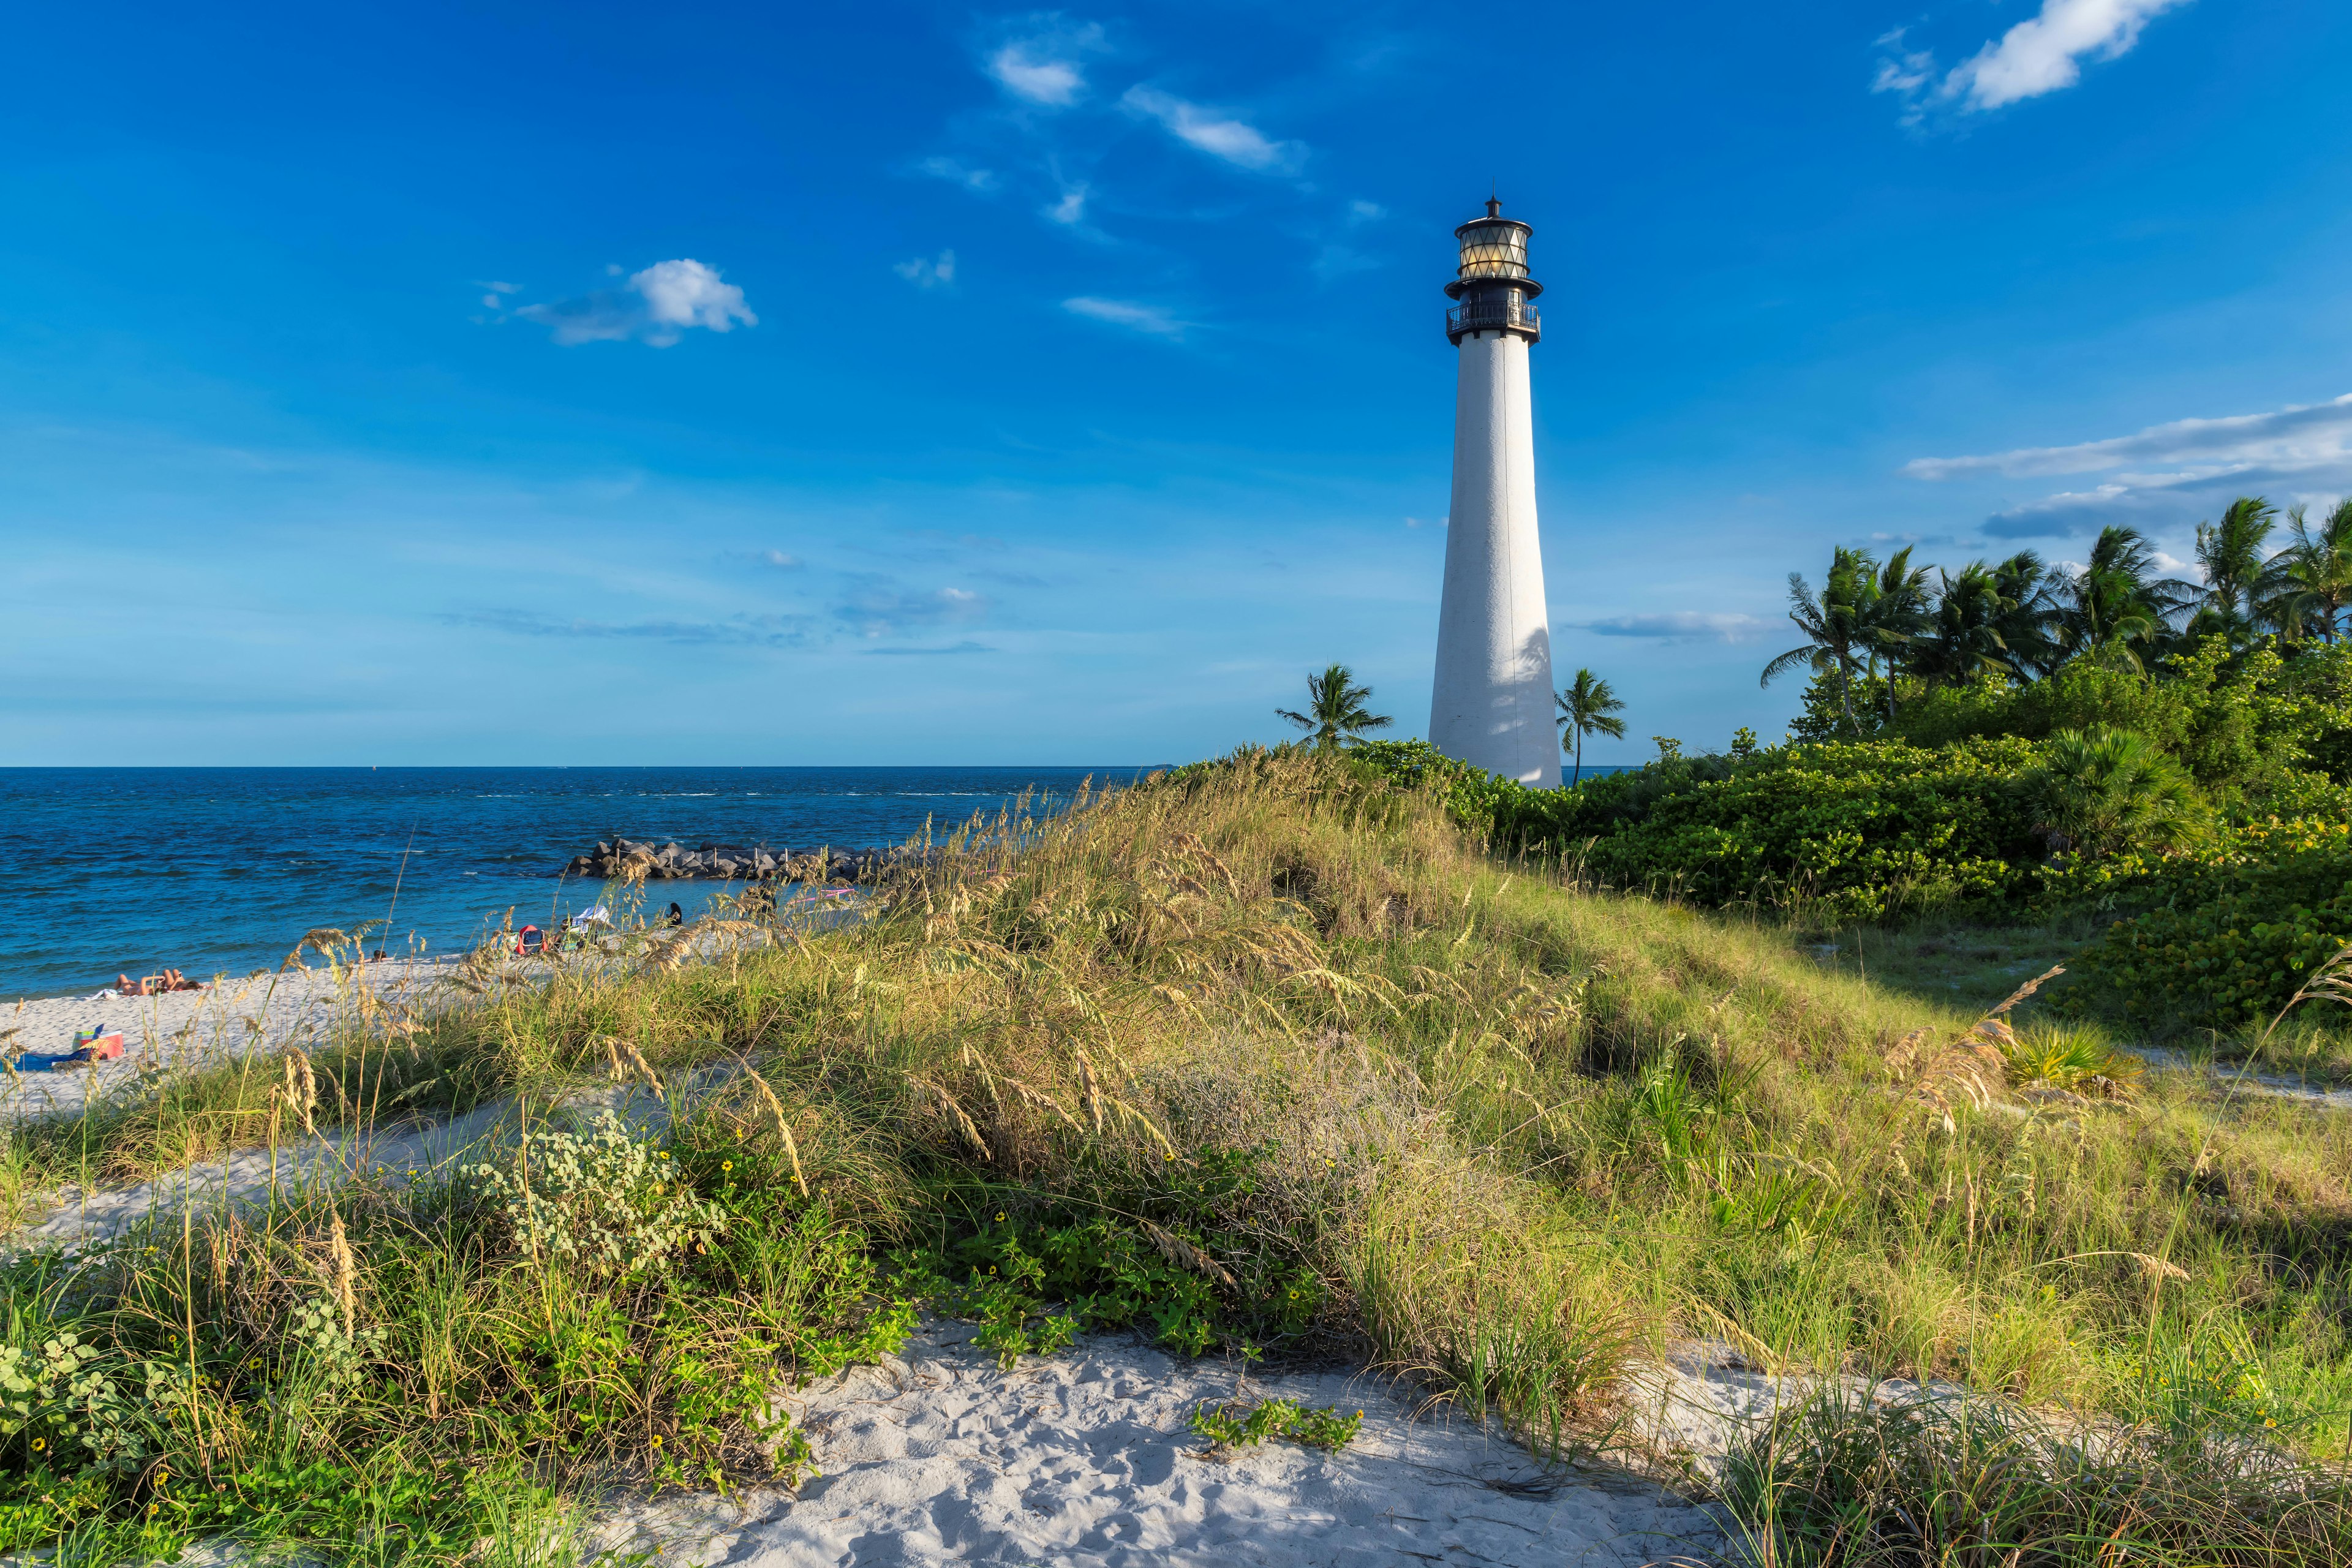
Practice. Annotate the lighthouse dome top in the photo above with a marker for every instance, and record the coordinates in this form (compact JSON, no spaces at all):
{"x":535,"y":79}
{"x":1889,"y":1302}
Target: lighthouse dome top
{"x":1494,"y":246}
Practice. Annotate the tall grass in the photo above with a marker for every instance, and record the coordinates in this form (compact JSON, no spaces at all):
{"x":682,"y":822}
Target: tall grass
{"x":1272,"y":1045}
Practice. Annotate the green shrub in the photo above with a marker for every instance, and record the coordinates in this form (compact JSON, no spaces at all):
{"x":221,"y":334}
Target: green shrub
{"x":2108,"y":790}
{"x":2235,"y":935}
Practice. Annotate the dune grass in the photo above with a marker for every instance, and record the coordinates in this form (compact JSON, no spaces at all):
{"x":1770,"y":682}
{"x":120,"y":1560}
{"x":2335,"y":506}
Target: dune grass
{"x":1261,"y":1055}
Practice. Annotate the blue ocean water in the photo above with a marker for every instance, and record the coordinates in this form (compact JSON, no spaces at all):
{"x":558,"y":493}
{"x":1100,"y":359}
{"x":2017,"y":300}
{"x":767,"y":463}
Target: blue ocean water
{"x":108,"y":871}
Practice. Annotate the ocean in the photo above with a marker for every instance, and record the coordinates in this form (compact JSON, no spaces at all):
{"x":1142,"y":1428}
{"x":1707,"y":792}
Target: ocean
{"x":210,"y":871}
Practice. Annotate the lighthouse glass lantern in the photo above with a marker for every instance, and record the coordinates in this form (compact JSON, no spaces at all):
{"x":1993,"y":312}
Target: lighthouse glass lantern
{"x":1492,"y":281}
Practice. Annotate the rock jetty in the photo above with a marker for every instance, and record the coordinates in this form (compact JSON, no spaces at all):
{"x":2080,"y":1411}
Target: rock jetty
{"x":728,"y":862}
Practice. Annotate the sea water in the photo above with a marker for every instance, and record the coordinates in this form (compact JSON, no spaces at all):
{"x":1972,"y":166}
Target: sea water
{"x":210,"y":871}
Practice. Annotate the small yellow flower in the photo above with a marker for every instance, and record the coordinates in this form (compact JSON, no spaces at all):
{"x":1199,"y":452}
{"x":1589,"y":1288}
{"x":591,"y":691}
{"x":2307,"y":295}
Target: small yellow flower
{"x":999,"y":1217}
{"x":657,"y":1441}
{"x":39,"y":1443}
{"x":725,"y":1164}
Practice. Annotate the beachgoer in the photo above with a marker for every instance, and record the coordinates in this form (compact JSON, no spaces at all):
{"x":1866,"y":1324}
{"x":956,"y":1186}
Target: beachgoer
{"x":676,"y":916}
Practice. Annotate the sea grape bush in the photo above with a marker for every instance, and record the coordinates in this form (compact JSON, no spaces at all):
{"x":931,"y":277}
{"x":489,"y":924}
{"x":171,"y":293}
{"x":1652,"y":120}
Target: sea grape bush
{"x":2232,"y":936}
{"x":1849,"y":830}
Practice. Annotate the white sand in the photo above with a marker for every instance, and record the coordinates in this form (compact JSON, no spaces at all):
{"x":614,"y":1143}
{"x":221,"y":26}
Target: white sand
{"x":182,"y":1031}
{"x":1086,"y":1458}
{"x":79,"y":1217}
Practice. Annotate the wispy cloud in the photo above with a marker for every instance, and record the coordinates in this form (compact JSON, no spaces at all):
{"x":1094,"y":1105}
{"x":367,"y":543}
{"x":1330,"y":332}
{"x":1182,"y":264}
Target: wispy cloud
{"x":2040,"y":55}
{"x":959,"y":174}
{"x":658,"y":305}
{"x":929,"y":272}
{"x":2309,"y":434}
{"x":966,"y":646}
{"x":749,"y":631}
{"x":1044,"y":68}
{"x":878,"y":607}
{"x":2304,"y":450}
{"x":1214,"y":132}
{"x":1071,"y":209}
{"x":781,"y":561}
{"x":1683,"y":625}
{"x":1156,"y":320}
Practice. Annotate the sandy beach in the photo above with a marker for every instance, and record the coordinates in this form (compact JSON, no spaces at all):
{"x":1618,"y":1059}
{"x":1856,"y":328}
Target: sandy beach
{"x":181,"y":1031}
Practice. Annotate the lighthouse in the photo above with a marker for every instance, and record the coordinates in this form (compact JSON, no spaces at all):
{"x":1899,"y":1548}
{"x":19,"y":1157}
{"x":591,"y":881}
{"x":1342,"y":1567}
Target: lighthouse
{"x":1492,"y":706}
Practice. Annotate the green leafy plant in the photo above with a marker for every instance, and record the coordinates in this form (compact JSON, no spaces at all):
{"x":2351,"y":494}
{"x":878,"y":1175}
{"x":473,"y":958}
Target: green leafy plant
{"x":1234,"y":1425}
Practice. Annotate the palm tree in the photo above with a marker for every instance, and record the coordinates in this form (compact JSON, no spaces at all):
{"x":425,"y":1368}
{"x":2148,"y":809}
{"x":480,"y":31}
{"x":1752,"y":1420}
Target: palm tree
{"x":1835,"y":624}
{"x":1967,"y":639}
{"x":2314,"y":574}
{"x":1988,"y":620}
{"x":1335,"y":715}
{"x":1894,"y":616}
{"x":2115,"y":600}
{"x":1585,"y":709}
{"x":2239,"y":587}
{"x":2029,"y":615}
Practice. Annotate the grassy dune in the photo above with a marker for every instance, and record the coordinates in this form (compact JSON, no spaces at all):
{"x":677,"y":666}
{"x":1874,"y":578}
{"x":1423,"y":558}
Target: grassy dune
{"x":1261,"y":1055}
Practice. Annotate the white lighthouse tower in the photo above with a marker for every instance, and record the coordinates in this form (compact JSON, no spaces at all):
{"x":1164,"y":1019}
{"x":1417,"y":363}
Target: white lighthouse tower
{"x":1493,"y":704}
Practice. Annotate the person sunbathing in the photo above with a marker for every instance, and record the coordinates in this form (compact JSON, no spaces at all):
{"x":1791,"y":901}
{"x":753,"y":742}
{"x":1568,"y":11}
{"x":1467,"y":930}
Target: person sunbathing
{"x":155,"y":985}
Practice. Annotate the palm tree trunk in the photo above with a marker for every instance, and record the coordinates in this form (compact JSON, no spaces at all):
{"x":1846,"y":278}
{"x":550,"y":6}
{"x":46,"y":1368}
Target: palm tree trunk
{"x":1578,"y":777}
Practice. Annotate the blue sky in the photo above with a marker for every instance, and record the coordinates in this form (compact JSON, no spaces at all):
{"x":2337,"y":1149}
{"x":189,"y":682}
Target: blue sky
{"x":897,"y":383}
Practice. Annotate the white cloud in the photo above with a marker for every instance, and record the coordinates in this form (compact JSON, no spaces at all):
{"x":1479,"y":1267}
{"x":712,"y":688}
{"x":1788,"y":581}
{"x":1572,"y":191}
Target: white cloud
{"x":1043,"y":67}
{"x":956,"y":173}
{"x":2299,"y":453}
{"x":777,"y":558}
{"x":1022,"y":72}
{"x":1680,"y":625}
{"x":929,"y":272}
{"x":658,"y":306}
{"x":1072,"y":208}
{"x":2305,"y":435}
{"x":2041,"y":54}
{"x":1155,"y":319}
{"x":1215,"y":133}
{"x":1366,"y":212}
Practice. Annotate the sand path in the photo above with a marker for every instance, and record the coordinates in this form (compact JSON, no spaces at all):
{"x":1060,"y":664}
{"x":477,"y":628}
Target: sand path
{"x":1086,"y":1458}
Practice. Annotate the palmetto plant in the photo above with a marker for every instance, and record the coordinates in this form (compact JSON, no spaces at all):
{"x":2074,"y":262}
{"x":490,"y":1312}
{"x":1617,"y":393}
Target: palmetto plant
{"x":1836,"y":623}
{"x":1584,"y":710}
{"x":2106,"y":790}
{"x":1335,"y":715}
